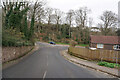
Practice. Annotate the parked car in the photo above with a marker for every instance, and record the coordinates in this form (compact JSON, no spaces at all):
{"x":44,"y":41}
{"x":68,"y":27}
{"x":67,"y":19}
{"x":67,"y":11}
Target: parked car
{"x":52,"y":42}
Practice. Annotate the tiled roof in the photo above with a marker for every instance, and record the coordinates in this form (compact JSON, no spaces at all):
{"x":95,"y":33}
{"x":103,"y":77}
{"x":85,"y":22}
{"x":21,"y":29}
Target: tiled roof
{"x":105,"y":39}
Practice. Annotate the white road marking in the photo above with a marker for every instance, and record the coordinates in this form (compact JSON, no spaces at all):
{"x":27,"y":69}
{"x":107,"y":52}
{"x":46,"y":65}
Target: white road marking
{"x":47,"y":60}
{"x":44,"y":75}
{"x":45,"y":71}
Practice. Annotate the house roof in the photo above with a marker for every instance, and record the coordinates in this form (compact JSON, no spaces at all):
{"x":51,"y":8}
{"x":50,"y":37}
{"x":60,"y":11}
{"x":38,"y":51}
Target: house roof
{"x":105,"y":39}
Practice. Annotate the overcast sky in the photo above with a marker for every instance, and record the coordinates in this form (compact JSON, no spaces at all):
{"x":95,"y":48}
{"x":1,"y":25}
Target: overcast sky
{"x":97,"y":6}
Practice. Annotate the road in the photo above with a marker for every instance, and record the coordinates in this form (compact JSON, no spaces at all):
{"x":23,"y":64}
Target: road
{"x":47,"y":62}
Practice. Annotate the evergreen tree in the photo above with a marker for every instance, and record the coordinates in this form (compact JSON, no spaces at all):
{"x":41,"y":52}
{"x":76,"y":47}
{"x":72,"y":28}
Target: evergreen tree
{"x":32,"y":27}
{"x":25,"y":28}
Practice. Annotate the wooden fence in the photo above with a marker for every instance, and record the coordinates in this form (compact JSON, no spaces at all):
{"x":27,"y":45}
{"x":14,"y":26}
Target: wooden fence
{"x":103,"y":55}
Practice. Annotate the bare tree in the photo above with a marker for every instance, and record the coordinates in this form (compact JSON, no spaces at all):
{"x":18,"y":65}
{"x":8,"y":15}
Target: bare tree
{"x":34,"y":15}
{"x":70,"y":18}
{"x":40,"y":13}
{"x":109,"y":19}
{"x":90,"y":22}
{"x":58,"y":17}
{"x":49,"y":15}
{"x":36,"y":9}
{"x":81,"y":17}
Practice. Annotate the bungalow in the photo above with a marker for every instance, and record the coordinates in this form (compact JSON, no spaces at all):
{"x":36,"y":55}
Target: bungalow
{"x":105,"y":42}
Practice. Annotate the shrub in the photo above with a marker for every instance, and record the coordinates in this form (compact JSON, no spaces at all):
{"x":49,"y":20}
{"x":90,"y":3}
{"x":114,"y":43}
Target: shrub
{"x":73,"y":43}
{"x":102,"y":63}
{"x":28,"y":43}
{"x":58,"y":37}
{"x":45,"y":38}
{"x":11,"y":37}
{"x":110,"y":65}
{"x":18,"y":44}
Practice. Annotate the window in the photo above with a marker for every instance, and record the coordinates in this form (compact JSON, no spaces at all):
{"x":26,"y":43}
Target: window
{"x":116,"y":47}
{"x":100,"y":46}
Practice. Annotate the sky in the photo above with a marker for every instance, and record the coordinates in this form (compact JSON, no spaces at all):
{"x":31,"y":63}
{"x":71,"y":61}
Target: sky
{"x":97,"y":6}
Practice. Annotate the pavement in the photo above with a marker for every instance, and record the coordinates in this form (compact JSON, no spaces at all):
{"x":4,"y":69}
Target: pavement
{"x":47,"y":62}
{"x":90,"y":64}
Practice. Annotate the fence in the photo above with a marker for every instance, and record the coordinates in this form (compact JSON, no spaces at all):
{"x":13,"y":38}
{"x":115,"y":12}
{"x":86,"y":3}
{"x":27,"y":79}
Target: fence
{"x":103,"y":55}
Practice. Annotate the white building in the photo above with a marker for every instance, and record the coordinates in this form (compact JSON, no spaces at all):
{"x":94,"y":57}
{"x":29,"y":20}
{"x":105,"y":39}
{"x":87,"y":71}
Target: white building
{"x":95,"y":29}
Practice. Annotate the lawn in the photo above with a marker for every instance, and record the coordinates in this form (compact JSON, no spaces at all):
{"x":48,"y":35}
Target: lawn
{"x":62,"y":43}
{"x":84,"y":45}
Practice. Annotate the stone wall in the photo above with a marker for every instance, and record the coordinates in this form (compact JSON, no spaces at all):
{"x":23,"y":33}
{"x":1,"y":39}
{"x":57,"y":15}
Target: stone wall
{"x":11,"y":53}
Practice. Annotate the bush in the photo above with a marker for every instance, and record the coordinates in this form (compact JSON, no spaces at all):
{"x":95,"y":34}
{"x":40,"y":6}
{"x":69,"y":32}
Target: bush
{"x":28,"y":43}
{"x":18,"y":44}
{"x":110,"y":65}
{"x":102,"y":63}
{"x":45,"y":38}
{"x":11,"y":37}
{"x":58,"y":37}
{"x":73,"y":43}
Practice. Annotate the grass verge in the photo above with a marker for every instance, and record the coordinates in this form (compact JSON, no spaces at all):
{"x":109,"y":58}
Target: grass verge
{"x":84,"y":45}
{"x":62,"y":43}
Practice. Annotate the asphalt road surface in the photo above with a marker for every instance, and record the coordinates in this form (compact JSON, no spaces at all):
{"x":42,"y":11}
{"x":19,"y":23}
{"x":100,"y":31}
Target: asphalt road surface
{"x":47,"y":62}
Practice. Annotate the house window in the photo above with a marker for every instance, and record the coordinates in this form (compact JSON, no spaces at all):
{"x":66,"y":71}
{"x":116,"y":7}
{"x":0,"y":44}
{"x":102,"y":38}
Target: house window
{"x":100,"y":46}
{"x":116,"y":47}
